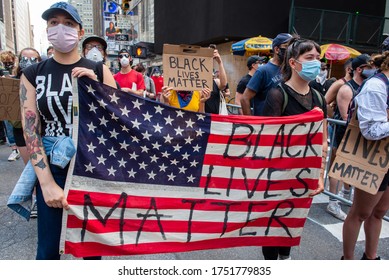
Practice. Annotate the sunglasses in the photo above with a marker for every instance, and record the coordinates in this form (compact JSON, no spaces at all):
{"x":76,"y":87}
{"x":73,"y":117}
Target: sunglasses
{"x":124,"y":55}
{"x":90,"y":46}
{"x":32,"y":59}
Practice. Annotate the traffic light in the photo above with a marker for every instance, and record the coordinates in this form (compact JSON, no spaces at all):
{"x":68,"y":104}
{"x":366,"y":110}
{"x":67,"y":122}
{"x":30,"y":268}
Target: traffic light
{"x":140,"y":52}
{"x":126,"y":5}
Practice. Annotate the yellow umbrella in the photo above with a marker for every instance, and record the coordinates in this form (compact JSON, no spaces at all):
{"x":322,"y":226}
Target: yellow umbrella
{"x":252,"y":46}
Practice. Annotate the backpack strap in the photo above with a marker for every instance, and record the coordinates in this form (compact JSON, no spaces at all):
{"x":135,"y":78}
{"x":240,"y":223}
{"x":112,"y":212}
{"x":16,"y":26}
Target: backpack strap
{"x":285,"y":103}
{"x":316,"y":92}
{"x":319,"y":96}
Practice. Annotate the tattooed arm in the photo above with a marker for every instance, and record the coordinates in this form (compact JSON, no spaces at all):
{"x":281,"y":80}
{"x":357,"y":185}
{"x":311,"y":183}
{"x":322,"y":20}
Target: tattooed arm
{"x":52,"y":193}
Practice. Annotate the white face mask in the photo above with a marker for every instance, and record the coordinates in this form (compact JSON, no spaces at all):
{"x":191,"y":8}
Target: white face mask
{"x":322,"y":77}
{"x":95,"y":55}
{"x":125,"y":61}
{"x":63,"y":38}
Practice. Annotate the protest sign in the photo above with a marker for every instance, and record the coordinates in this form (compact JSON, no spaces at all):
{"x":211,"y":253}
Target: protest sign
{"x":360,"y":162}
{"x":148,"y":178}
{"x":9,"y":99}
{"x":187,"y":67}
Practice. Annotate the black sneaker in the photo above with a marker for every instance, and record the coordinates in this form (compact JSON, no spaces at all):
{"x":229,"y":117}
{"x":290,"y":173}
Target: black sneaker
{"x":364,"y":257}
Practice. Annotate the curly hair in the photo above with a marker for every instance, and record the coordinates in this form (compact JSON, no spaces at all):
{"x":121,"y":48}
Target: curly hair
{"x":381,"y":61}
{"x":7,"y":55}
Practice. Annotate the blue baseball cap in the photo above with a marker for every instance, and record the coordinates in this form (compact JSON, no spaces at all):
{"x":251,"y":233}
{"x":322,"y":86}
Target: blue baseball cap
{"x":65,"y":7}
{"x":280,"y":39}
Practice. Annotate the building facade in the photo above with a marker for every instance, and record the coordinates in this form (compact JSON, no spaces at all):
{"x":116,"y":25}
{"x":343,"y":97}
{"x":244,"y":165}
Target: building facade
{"x":15,"y":28}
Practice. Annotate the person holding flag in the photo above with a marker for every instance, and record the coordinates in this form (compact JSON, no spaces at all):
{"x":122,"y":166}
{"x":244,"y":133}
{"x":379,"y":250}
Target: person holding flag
{"x":46,"y":106}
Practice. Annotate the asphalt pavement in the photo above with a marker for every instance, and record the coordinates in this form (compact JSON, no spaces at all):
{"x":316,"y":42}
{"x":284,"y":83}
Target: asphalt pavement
{"x":321,"y":238}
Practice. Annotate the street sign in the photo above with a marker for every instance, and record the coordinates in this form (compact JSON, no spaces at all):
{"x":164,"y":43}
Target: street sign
{"x":121,"y":37}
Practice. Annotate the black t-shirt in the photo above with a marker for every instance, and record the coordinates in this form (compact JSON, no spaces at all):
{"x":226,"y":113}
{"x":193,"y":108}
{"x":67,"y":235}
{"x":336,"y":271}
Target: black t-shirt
{"x":297,"y":103}
{"x":53,"y":84}
{"x":213,"y":103}
{"x":243,"y":83}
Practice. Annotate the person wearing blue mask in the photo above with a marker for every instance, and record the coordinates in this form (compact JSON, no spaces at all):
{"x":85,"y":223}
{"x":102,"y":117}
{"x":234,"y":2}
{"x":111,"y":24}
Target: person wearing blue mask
{"x":294,"y":96}
{"x":265,"y":78}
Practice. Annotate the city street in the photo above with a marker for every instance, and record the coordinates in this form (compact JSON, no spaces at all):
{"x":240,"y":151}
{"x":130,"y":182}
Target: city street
{"x":321,"y":239}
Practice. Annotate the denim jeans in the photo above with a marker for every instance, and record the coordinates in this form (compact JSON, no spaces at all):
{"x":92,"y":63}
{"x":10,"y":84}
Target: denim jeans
{"x":49,"y":220}
{"x":9,"y":130}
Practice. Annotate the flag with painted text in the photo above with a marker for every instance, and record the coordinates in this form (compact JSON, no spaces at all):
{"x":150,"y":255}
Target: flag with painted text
{"x":148,"y":178}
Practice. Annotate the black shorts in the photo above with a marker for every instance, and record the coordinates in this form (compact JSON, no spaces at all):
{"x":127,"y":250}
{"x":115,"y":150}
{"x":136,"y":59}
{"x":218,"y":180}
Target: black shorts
{"x":19,"y":137}
{"x":385,"y":183}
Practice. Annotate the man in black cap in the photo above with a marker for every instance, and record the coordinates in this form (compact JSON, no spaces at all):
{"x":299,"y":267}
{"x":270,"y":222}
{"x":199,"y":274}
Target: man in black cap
{"x":252,"y":64}
{"x":94,"y":48}
{"x":265,"y":77}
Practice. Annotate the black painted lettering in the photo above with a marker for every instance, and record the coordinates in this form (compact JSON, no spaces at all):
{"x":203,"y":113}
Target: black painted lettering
{"x":365,"y":177}
{"x":367,"y":146}
{"x":153,"y":206}
{"x":375,"y":152}
{"x":257,"y":140}
{"x":173,"y":62}
{"x":302,"y":181}
{"x":250,"y":193}
{"x":310,"y":136}
{"x":192,"y":206}
{"x":337,"y":167}
{"x":384,"y":163}
{"x":227,"y":206}
{"x":277,"y":218}
{"x":202,"y":66}
{"x":278,"y":142}
{"x":289,"y":139}
{"x":270,"y":182}
{"x":248,"y":220}
{"x":207,"y":183}
{"x":239,"y":139}
{"x":88,"y":204}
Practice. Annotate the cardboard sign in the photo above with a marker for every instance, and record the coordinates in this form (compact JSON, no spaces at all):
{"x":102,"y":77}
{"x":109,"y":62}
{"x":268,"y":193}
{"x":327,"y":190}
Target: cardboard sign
{"x":187,"y":67}
{"x":360,"y":162}
{"x":9,"y":99}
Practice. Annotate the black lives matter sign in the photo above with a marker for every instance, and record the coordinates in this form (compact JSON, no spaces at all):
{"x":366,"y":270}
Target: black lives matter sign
{"x":9,"y":99}
{"x":360,"y":162}
{"x":187,"y":67}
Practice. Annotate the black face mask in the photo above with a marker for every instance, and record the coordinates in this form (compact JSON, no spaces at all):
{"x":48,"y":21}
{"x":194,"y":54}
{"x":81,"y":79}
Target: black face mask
{"x":8,"y":66}
{"x":281,"y":54}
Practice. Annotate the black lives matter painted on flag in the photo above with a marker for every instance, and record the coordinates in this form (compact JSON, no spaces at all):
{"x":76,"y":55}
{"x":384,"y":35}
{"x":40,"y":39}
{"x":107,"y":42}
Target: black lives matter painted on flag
{"x":148,"y":178}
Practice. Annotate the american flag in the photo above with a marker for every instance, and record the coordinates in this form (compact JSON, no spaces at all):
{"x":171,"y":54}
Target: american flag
{"x":148,"y":178}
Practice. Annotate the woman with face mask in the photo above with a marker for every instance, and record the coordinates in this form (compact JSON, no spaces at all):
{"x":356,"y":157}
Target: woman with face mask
{"x":129,"y":79}
{"x":27,"y":57}
{"x":46,"y":102}
{"x":301,"y":66}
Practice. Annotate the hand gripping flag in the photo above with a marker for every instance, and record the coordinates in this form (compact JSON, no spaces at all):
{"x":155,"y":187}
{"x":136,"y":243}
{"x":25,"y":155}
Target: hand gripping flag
{"x":148,"y":178}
